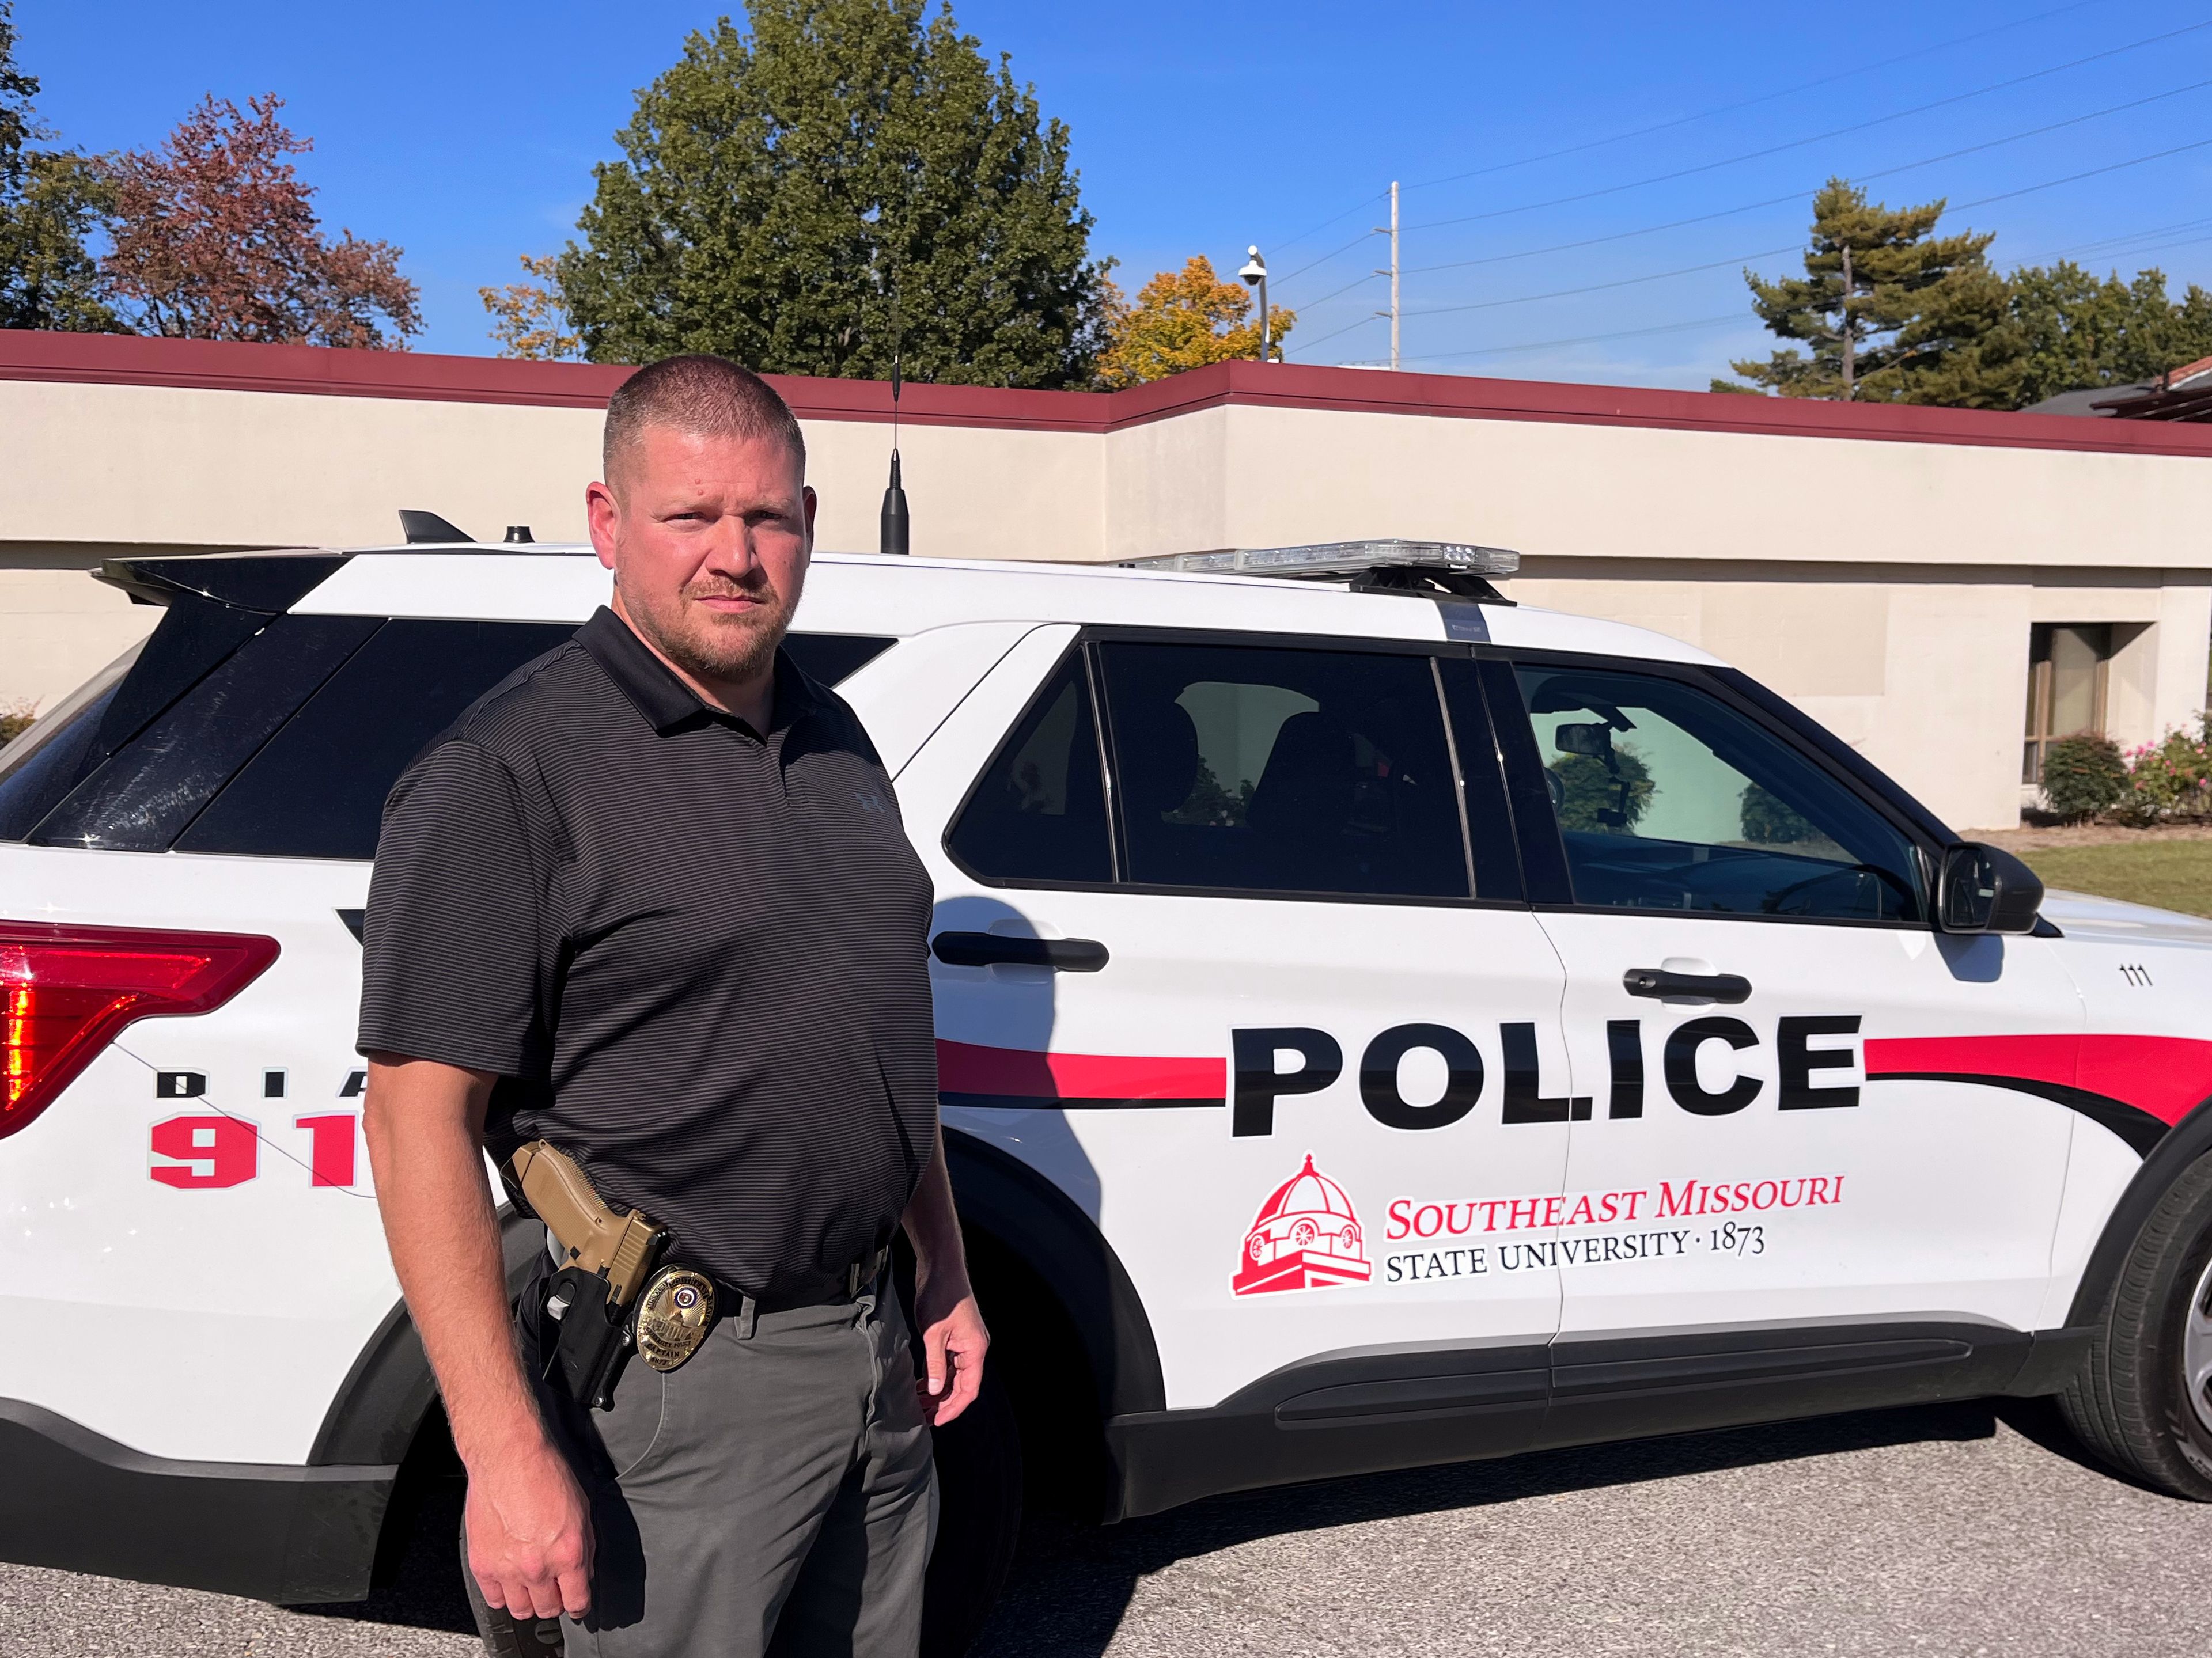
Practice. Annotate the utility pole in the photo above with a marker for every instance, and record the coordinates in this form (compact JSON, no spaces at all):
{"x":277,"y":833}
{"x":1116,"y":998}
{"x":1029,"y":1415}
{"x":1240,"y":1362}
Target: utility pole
{"x":1392,"y":273}
{"x":1850,"y":333}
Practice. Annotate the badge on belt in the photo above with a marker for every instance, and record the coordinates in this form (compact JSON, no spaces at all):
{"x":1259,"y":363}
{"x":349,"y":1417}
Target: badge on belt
{"x":594,"y":1308}
{"x":673,"y":1315}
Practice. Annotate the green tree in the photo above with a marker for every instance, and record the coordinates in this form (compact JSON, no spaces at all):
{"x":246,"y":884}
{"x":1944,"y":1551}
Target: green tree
{"x":2081,"y":333}
{"x":849,"y":172}
{"x":50,"y":201}
{"x":1894,"y":313}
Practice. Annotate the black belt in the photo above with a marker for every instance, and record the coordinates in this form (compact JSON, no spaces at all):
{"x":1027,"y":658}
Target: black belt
{"x":860,"y":1279}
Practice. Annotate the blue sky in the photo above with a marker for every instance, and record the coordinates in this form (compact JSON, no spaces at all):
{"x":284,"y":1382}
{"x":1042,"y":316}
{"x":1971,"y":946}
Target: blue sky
{"x":466,"y":133}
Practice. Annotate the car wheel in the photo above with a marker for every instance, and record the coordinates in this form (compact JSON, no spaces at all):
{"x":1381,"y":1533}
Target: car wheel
{"x":2142,"y":1401}
{"x":979,"y":1520}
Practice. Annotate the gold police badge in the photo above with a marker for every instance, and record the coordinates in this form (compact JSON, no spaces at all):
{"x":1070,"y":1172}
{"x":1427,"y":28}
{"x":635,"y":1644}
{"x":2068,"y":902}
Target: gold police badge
{"x":673,"y":1315}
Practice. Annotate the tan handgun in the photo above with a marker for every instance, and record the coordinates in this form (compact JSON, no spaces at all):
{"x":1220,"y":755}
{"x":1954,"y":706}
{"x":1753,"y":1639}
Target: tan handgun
{"x":619,"y":1249}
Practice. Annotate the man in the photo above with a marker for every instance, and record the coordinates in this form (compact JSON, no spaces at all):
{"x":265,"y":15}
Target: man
{"x":650,"y":900}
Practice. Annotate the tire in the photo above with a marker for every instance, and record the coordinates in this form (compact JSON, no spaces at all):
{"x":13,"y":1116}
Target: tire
{"x":2143,"y":1400}
{"x":979,"y":1520}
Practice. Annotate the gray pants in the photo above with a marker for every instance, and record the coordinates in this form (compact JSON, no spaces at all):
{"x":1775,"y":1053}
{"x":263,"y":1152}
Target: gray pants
{"x":773,"y":1498}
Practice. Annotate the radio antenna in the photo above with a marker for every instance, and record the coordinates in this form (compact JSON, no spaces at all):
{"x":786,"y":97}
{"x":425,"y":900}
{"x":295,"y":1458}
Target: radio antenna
{"x":893,"y":537}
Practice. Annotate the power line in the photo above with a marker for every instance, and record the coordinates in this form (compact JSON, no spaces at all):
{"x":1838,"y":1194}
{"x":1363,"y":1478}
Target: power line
{"x":1616,"y":334}
{"x":1740,"y":316}
{"x":1360,"y":323}
{"x":1818,"y":137}
{"x":1359,"y":206}
{"x":2076,"y":177}
{"x":1585,"y":339}
{"x":1702,"y":115}
{"x":1332,"y":252}
{"x":1796,"y":195}
{"x":1594,"y":288}
{"x":2119,"y":241}
{"x":1762,"y":253}
{"x":2129,"y":243}
{"x":1356,"y":282}
{"x":2048,"y":183}
{"x":1776,"y":201}
{"x":1748,"y":103}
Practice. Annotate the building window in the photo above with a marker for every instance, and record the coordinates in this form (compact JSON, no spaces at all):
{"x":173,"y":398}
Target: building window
{"x":2068,"y":663}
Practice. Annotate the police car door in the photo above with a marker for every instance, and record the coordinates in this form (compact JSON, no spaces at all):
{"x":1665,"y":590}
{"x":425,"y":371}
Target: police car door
{"x":1753,"y":985}
{"x":1274,"y":1034}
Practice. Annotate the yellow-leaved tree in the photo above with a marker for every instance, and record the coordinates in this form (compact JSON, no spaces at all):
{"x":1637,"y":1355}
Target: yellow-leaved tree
{"x":1182,"y":319}
{"x":528,"y":320}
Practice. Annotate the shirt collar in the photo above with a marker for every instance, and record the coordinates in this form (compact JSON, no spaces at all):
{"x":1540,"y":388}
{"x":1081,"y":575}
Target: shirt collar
{"x":665,"y":700}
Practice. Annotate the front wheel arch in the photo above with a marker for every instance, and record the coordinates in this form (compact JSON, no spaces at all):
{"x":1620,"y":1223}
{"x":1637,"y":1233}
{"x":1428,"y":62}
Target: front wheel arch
{"x":2166,"y":1163}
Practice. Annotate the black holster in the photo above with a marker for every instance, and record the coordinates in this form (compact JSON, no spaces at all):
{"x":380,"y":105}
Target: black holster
{"x":583,"y":1339}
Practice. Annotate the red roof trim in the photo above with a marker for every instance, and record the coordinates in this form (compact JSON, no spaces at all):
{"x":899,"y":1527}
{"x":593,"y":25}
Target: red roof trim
{"x":126,"y":360}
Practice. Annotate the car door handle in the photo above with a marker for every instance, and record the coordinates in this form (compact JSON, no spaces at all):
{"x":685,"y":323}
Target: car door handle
{"x":1658,"y":982}
{"x":997,"y":950}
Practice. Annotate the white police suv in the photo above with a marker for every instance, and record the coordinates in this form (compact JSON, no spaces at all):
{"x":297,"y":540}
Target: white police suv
{"x":1377,"y":1025}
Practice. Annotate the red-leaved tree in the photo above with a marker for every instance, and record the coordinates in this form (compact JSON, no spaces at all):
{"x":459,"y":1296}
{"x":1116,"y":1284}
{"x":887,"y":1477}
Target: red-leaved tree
{"x":215,"y":238}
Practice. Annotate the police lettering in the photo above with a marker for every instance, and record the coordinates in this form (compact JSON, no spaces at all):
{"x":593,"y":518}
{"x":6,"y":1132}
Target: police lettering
{"x":1689,"y":1054}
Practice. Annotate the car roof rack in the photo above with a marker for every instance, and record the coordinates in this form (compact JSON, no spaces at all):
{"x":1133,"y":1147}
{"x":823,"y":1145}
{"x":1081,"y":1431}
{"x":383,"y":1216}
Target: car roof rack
{"x":1426,"y":569}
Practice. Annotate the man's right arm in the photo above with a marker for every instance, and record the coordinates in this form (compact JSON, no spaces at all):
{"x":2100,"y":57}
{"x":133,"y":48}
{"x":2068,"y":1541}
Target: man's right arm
{"x":529,"y":1531}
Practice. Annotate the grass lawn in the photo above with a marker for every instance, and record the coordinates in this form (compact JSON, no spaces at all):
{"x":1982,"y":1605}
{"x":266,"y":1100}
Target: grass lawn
{"x":2170,"y":874}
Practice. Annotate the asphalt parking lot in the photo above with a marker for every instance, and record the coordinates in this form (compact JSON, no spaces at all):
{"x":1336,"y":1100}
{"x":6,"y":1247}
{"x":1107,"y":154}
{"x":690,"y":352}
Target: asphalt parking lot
{"x":1955,"y":1530}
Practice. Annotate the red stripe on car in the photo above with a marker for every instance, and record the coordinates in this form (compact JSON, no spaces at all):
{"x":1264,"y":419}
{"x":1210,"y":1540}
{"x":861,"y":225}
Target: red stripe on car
{"x":971,"y":1068}
{"x":2166,"y":1076}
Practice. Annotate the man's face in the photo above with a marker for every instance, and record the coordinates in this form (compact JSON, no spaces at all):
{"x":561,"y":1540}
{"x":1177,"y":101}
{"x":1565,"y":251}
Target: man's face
{"x":709,"y":539}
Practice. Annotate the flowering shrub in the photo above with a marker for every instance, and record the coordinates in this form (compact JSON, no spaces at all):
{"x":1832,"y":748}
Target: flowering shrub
{"x":2170,"y":779}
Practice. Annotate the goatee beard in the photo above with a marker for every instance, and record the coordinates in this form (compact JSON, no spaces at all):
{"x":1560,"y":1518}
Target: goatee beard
{"x":728,"y":654}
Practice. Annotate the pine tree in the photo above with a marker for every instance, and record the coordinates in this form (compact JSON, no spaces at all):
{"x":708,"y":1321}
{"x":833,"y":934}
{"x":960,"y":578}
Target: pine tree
{"x":848,"y":174}
{"x":1892,"y":313}
{"x":50,"y":202}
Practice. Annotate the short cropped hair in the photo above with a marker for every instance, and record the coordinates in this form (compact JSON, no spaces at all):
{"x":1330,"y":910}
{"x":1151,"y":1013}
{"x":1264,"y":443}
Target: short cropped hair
{"x":700,"y":394}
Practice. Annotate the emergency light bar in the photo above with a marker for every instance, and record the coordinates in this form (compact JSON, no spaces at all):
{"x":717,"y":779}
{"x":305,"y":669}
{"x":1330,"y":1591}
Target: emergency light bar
{"x":1342,"y":558}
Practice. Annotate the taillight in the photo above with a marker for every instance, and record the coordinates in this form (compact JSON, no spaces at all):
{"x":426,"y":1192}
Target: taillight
{"x":65,"y":991}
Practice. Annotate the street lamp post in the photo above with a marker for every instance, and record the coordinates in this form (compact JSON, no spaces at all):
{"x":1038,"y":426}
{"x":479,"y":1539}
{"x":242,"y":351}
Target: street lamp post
{"x":1254,"y":274}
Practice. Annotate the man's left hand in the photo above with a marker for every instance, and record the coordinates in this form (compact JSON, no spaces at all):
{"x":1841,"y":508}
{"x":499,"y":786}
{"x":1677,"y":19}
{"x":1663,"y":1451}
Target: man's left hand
{"x":953,"y":1342}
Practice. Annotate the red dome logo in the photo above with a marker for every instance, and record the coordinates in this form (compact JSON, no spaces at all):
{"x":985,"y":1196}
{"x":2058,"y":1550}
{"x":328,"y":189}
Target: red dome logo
{"x":1305,"y":1237}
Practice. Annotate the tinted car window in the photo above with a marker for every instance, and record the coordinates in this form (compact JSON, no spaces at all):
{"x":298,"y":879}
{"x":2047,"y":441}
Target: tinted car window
{"x":317,"y":790}
{"x":1668,"y":799}
{"x":42,"y":764}
{"x":1252,"y":769}
{"x":1039,"y":813}
{"x":830,"y":658}
{"x":150,"y":789}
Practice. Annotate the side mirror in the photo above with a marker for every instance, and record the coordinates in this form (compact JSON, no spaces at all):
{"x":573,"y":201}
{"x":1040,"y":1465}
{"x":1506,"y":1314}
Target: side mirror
{"x":1594,"y":739}
{"x":1984,"y":890}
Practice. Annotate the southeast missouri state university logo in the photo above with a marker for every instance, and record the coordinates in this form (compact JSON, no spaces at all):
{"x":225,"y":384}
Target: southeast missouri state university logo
{"x":1305,"y":1237}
